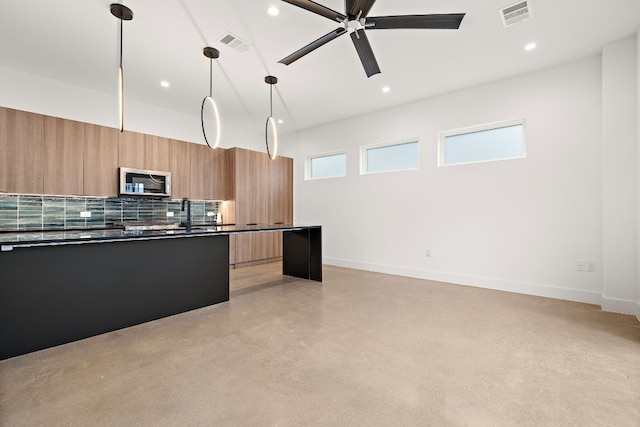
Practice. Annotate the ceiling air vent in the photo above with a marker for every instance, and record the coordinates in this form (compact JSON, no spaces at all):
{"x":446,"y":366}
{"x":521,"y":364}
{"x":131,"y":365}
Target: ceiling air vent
{"x":515,"y":13}
{"x":235,"y":42}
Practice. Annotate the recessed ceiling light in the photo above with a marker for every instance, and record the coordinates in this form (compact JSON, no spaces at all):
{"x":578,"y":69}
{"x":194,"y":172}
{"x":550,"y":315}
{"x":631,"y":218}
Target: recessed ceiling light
{"x":386,"y":89}
{"x":164,"y":83}
{"x":530,"y":46}
{"x":273,"y":11}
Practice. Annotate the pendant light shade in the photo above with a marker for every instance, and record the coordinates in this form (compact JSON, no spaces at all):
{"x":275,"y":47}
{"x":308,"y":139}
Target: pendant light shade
{"x":270,"y":129}
{"x":123,"y":13}
{"x":209,"y":109}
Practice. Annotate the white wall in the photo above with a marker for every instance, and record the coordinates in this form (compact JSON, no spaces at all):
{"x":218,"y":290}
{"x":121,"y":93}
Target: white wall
{"x":28,"y":92}
{"x":516,"y":225}
{"x":638,"y":164}
{"x":620,"y":176}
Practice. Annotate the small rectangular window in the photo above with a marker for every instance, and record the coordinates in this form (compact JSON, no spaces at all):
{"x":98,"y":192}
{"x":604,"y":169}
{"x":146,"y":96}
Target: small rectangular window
{"x":387,"y":157}
{"x":495,"y":141}
{"x":327,"y":166}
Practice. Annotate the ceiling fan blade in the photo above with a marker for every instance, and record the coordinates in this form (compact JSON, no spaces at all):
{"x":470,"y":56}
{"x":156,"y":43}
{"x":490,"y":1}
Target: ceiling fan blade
{"x":318,"y":9}
{"x":450,"y":21}
{"x":312,"y":46}
{"x":348,"y":5}
{"x":358,"y":6}
{"x":368,"y":59}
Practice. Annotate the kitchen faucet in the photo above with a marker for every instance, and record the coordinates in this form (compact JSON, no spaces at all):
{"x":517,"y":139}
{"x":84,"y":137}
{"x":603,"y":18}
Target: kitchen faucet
{"x":187,"y":223}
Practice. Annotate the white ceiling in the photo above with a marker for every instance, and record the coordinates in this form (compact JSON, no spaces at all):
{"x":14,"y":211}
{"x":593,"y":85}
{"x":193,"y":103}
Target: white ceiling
{"x":76,"y":41}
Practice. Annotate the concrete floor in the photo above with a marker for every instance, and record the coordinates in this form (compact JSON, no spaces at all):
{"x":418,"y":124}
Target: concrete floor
{"x":360,"y":349}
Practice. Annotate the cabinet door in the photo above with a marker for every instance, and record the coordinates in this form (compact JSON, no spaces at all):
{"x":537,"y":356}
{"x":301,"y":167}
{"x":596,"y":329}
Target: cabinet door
{"x":280,"y":191}
{"x":22,"y":149}
{"x":156,"y":153}
{"x":219,"y":174}
{"x":245,"y":189}
{"x":63,"y":156}
{"x":131,"y":149}
{"x":179,"y":166}
{"x":201,"y":163}
{"x":251,"y":187}
{"x":100,"y":161}
{"x":244,"y":244}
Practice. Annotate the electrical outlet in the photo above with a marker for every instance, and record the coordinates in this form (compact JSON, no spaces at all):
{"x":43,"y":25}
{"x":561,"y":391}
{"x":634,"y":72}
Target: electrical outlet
{"x":169,"y":214}
{"x":427,"y":252}
{"x":591,"y":266}
{"x":85,"y":214}
{"x":580,"y":265}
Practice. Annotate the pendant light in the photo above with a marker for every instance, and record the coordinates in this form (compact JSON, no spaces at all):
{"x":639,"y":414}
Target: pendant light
{"x":270,"y":126}
{"x":123,"y":13}
{"x":212,"y":54}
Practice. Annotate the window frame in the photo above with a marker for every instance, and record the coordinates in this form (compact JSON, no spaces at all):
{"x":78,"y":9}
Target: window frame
{"x":365,"y":148}
{"x":479,"y":128}
{"x":307,"y":166}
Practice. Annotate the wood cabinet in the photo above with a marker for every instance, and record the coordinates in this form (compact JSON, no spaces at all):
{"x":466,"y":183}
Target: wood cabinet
{"x":200,"y":173}
{"x":262,"y":193}
{"x":48,"y":155}
{"x":100,"y":156}
{"x":157,"y":153}
{"x":180,"y":168}
{"x":63,"y":156}
{"x":22,"y":152}
{"x":219,"y":174}
{"x":131,"y":150}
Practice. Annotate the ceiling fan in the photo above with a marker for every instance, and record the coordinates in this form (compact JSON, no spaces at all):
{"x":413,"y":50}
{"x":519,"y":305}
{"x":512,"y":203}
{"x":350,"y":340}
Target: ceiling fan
{"x":355,"y":22}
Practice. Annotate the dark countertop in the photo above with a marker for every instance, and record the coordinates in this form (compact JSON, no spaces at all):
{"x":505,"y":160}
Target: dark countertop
{"x":46,"y":238}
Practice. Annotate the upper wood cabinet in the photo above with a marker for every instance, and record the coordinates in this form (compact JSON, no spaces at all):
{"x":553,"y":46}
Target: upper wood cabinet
{"x":262,"y":188}
{"x":100,"y":161}
{"x":208,"y":173}
{"x":21,"y":152}
{"x":180,"y":168}
{"x":201,"y":176}
{"x":63,"y":156}
{"x":280,"y":190}
{"x":156,"y":153}
{"x":131,"y":150}
{"x":219,"y":174}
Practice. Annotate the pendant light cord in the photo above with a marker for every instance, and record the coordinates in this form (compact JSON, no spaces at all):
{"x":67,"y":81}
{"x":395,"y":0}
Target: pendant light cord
{"x":211,"y":77}
{"x":120,"y":43}
{"x":271,"y":100}
{"x":121,"y":72}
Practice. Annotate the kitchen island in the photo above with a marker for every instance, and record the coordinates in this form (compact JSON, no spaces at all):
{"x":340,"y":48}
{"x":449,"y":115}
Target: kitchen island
{"x":58,"y":287}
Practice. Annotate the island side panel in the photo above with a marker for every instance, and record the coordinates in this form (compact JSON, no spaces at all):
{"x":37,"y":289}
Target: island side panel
{"x":302,"y":253}
{"x":53,"y":295}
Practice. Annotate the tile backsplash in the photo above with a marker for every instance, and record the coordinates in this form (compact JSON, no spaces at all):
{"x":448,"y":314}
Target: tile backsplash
{"x":24,"y":213}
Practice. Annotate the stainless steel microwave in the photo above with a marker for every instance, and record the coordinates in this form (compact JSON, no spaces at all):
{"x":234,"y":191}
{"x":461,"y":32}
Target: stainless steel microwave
{"x":142,"y":182}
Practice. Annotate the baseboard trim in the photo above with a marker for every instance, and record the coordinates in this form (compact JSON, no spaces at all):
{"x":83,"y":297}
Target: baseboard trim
{"x":615,"y":305}
{"x":476,"y":281}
